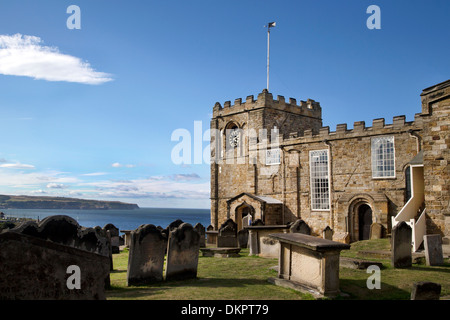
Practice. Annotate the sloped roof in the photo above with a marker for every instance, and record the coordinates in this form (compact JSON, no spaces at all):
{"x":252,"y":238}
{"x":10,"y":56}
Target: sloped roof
{"x":418,"y":159}
{"x":265,"y":199}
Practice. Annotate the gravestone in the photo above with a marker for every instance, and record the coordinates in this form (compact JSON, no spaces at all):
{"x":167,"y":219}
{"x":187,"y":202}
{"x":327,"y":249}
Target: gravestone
{"x":201,"y":231}
{"x":433,"y":250}
{"x":401,"y":256}
{"x":342,"y":237}
{"x":425,"y":291}
{"x":247,"y":221}
{"x":227,"y":237}
{"x":376,"y":231}
{"x":174,"y":224}
{"x":300,"y":226}
{"x":115,"y":241}
{"x":211,"y":235}
{"x":66,"y":231}
{"x":258,"y":222}
{"x":36,"y":256}
{"x":146,"y":256}
{"x":32,"y":268}
{"x":182,"y":253}
{"x":243,"y":238}
{"x":327,"y":233}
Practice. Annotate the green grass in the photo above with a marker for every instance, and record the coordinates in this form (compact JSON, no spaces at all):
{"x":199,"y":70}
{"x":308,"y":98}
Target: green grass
{"x":245,"y":277}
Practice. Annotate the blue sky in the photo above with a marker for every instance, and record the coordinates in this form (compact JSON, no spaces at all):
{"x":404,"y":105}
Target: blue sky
{"x":89,"y":113}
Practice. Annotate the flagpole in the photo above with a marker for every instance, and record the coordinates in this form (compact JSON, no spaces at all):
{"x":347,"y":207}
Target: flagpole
{"x":269,"y":25}
{"x":268,"y":54}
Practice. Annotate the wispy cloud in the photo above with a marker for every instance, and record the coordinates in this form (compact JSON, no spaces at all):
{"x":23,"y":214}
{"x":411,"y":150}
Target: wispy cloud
{"x":184,"y":177}
{"x":23,"y":55}
{"x":56,"y":186}
{"x":16,"y":165}
{"x":94,"y":174}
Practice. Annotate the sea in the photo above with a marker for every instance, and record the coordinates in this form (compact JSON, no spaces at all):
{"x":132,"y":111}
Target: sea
{"x":122,"y":219}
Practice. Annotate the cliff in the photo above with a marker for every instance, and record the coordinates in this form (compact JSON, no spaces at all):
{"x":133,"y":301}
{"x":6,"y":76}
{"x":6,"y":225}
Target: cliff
{"x":29,"y":202}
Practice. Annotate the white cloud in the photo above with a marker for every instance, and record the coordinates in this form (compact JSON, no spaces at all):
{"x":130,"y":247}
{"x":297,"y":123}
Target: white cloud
{"x":94,"y":174}
{"x":23,"y":55}
{"x":119,"y":165}
{"x":56,"y":186}
{"x":16,"y":166}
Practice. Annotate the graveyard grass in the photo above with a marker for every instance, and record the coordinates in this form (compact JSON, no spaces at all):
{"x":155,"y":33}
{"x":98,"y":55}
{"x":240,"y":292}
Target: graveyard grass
{"x":245,"y":278}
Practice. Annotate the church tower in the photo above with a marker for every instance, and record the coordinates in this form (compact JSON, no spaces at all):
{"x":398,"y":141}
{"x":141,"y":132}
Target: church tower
{"x":237,"y":165}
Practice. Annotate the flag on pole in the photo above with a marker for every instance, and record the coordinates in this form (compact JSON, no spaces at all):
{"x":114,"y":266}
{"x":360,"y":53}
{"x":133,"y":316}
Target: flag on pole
{"x":271,"y":24}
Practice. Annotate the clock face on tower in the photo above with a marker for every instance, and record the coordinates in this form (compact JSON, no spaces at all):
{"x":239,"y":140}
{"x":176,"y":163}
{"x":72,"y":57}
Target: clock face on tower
{"x":233,"y":138}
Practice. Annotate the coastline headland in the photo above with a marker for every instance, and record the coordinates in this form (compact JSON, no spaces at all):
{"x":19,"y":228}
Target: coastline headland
{"x":34,"y":202}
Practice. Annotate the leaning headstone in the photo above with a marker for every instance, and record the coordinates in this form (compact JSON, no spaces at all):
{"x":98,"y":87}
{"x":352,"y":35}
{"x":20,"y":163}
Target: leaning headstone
{"x":146,"y":256}
{"x":201,"y":231}
{"x":376,"y":231}
{"x":182,"y":253}
{"x":401,"y":256}
{"x":300,"y":226}
{"x":115,"y":241}
{"x":327,"y":233}
{"x":433,"y":250}
{"x":243,"y":238}
{"x":227,"y":237}
{"x":425,"y":291}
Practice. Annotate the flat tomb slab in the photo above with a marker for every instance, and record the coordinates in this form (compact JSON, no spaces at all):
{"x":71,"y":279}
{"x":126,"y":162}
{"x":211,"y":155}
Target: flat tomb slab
{"x":220,"y":252}
{"x":310,"y":242}
{"x":309,"y":262}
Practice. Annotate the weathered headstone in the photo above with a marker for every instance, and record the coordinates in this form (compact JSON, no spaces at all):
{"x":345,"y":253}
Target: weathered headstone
{"x":35,"y":258}
{"x":146,"y":255}
{"x":227,"y":237}
{"x":300,"y":226}
{"x":247,"y":221}
{"x":243,"y":238}
{"x":115,"y":241}
{"x":342,"y":237}
{"x":211,"y":235}
{"x":401,"y":256}
{"x":425,"y":291}
{"x":201,"y":231}
{"x":327,"y":233}
{"x":433,"y":250}
{"x":258,"y":222}
{"x":174,"y":224}
{"x":66,"y":231}
{"x":182,"y":253}
{"x":376,"y":231}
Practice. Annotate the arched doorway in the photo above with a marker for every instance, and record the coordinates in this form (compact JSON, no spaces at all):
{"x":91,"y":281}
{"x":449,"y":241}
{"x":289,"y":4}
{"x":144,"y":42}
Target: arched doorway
{"x":364,"y":221}
{"x":244,"y":211}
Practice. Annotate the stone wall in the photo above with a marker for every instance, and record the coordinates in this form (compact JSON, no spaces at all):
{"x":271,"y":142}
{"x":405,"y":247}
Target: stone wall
{"x":436,"y":157}
{"x":32,"y":268}
{"x":350,"y":165}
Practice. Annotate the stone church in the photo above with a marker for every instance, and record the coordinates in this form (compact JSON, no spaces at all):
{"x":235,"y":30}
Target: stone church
{"x":273,"y":160}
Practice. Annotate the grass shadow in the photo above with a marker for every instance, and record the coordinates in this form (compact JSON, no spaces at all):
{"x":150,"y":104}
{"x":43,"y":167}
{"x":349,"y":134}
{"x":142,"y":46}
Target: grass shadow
{"x":358,"y":290}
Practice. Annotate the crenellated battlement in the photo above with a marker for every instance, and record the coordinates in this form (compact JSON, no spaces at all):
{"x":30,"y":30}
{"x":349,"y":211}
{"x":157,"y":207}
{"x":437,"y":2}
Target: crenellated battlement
{"x":379,"y":127}
{"x":308,"y":108}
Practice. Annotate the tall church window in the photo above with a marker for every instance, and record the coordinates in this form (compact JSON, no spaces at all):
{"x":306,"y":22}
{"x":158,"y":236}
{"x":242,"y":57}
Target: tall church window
{"x":383,"y":157}
{"x":320,"y":180}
